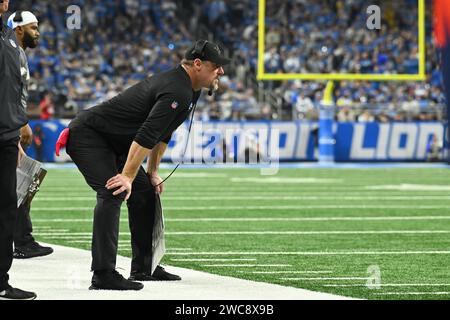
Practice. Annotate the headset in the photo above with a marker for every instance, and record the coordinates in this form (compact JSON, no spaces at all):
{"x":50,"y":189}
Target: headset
{"x":199,"y":48}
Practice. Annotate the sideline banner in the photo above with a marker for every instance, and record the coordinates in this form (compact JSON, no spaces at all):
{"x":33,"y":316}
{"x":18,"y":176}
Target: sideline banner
{"x":214,"y":141}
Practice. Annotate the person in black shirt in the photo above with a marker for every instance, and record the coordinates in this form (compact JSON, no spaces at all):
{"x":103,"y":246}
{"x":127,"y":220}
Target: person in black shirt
{"x":109,"y":142}
{"x":25,"y":25}
{"x":12,"y":118}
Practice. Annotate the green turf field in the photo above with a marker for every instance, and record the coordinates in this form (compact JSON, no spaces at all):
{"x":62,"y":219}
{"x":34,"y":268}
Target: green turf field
{"x":328,"y":230}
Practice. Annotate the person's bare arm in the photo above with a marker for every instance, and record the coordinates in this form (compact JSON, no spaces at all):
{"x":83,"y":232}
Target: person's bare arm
{"x":26,"y":136}
{"x":154,"y":160}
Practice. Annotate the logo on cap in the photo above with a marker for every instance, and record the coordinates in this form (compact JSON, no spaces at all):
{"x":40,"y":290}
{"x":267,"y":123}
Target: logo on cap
{"x":217,"y":49}
{"x":174,"y":105}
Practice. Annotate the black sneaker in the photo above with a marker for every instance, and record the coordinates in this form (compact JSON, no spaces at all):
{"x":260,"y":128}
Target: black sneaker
{"x":112,"y":280}
{"x":158,"y":275}
{"x":31,"y":250}
{"x":11,"y":293}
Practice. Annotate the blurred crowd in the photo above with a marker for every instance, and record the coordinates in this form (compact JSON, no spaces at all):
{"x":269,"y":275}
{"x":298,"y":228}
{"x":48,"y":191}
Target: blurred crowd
{"x":122,"y":41}
{"x":332,"y":37}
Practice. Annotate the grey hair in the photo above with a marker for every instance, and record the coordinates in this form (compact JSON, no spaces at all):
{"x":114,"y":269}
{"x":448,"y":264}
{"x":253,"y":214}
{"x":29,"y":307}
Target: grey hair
{"x":187,"y":62}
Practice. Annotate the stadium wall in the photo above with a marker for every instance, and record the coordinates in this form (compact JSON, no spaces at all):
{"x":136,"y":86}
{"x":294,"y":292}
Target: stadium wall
{"x":297,"y":140}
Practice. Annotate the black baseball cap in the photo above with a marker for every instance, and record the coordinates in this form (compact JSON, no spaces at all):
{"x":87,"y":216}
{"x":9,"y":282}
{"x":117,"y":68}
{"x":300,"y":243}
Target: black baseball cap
{"x":205,"y":50}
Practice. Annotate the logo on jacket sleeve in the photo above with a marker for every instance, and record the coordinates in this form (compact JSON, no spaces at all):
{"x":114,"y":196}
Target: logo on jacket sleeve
{"x":174,"y":105}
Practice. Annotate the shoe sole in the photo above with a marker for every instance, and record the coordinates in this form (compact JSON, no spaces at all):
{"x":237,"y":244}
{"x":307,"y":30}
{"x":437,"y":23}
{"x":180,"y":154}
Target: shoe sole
{"x":154,"y":279}
{"x":26,"y":299}
{"x":92,"y":287}
{"x":33,"y":256}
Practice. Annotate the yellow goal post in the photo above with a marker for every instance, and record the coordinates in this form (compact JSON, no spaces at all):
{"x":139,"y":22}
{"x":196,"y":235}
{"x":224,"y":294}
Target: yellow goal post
{"x":261,"y":75}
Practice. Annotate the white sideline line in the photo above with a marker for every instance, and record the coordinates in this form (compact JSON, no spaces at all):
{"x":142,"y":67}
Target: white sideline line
{"x":35,"y":208}
{"x":180,"y":191}
{"x":217,"y":260}
{"x":182,"y":233}
{"x":320,"y":197}
{"x":52,"y":199}
{"x":37,"y":230}
{"x":414,"y":187}
{"x":393,"y":285}
{"x":168,"y":251}
{"x":68,"y":234}
{"x":283,"y":272}
{"x":126,"y":247}
{"x":335,"y":218}
{"x":68,"y":220}
{"x":217,"y":187}
{"x":288,"y":187}
{"x":412,"y":293}
{"x":260,"y":197}
{"x":310,"y":219}
{"x":299,"y":207}
{"x":246,"y":265}
{"x":195,"y":233}
{"x":310,"y":253}
{"x":324,"y":278}
{"x":200,"y":175}
{"x":79,"y":239}
{"x":179,"y":175}
{"x":287,"y":180}
{"x":296,"y":207}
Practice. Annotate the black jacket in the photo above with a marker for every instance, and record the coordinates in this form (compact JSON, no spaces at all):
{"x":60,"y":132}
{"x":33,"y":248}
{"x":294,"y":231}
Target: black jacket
{"x":148,"y":112}
{"x":12,"y":114}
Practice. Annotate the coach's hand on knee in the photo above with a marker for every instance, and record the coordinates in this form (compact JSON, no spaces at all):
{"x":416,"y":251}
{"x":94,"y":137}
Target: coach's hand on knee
{"x":123,"y":183}
{"x":157,"y":182}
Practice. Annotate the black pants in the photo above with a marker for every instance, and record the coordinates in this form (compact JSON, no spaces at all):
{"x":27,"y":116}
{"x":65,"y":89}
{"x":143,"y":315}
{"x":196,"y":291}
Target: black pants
{"x":23,"y":228}
{"x":8,"y":206}
{"x":98,"y":160}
